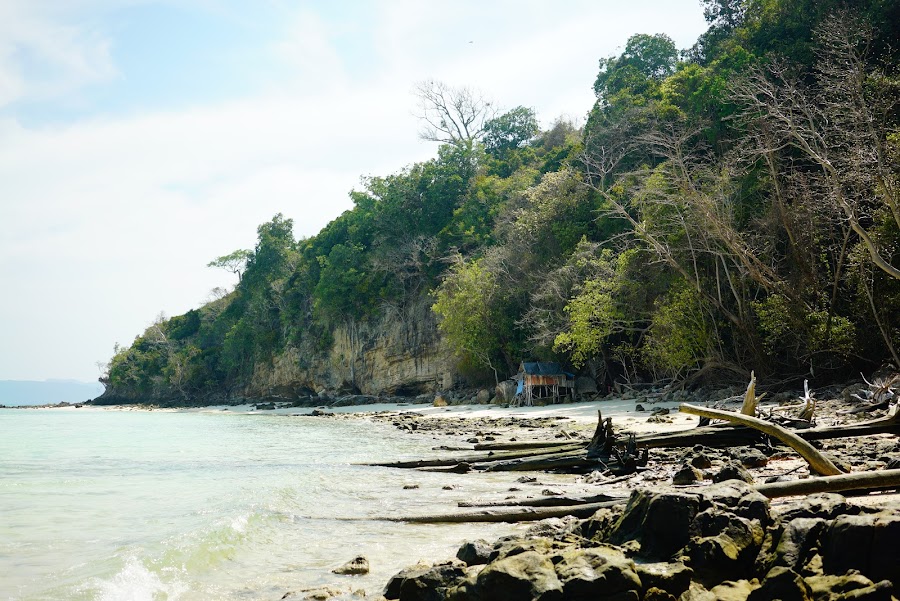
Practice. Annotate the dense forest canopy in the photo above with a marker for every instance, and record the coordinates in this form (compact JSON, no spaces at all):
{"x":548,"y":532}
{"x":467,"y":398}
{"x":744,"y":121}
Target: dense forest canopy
{"x":729,"y":207}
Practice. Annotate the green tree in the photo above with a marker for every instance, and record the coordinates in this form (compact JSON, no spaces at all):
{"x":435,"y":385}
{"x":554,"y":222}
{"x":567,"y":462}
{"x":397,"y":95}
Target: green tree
{"x":510,"y":131}
{"x":464,"y":303}
{"x":235,"y":262}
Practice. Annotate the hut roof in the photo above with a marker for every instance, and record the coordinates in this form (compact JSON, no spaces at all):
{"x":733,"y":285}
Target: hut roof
{"x":542,"y":368}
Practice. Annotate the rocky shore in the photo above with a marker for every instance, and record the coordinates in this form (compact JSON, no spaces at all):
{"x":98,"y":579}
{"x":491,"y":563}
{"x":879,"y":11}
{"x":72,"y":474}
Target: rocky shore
{"x":688,"y":525}
{"x":724,"y":542}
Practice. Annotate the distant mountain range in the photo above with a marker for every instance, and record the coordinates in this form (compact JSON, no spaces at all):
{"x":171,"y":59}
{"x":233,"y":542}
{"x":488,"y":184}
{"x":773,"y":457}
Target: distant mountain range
{"x":14,"y":393}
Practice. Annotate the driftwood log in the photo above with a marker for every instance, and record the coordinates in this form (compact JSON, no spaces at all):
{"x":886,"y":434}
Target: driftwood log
{"x":515,"y":514}
{"x":560,"y":501}
{"x":839,"y":483}
{"x":818,"y":462}
{"x":524,"y":445}
{"x":482,"y":458}
{"x":726,"y":435}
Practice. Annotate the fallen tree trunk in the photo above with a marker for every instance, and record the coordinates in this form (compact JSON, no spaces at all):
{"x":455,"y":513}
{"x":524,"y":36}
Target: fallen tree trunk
{"x":838,"y":483}
{"x":818,"y":462}
{"x":884,"y":425}
{"x":727,"y":435}
{"x":551,"y":462}
{"x":560,"y":501}
{"x":713,"y":436}
{"x":518,"y":514}
{"x":482,"y":458}
{"x":524,"y":445}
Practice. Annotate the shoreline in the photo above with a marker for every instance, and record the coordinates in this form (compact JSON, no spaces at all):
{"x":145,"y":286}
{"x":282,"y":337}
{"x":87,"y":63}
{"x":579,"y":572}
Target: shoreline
{"x":455,"y":428}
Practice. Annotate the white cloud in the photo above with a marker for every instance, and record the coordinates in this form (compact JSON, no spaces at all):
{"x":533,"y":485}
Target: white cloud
{"x":106,"y":221}
{"x":42,"y":59}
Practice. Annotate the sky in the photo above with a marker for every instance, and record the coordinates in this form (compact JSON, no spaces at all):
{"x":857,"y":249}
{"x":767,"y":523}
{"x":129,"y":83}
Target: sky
{"x":141,"y":139}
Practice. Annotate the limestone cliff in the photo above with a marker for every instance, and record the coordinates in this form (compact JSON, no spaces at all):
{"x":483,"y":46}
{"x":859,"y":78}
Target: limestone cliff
{"x":400,"y":353}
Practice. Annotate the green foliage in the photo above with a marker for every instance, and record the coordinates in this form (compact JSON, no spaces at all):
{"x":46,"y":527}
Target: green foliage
{"x":611,"y":307}
{"x":235,"y":262}
{"x":347,"y":288}
{"x":802,"y":334}
{"x":510,"y":131}
{"x":672,"y":232}
{"x":647,"y":59}
{"x":463,"y":302}
{"x":679,"y":339}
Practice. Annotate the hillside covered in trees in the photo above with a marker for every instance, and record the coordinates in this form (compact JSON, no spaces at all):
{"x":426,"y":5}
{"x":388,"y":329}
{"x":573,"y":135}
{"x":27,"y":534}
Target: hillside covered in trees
{"x":729,"y":207}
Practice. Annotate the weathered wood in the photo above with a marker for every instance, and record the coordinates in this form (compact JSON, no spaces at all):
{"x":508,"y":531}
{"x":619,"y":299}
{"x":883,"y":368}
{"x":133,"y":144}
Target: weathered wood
{"x":517,"y":514}
{"x":524,"y":445}
{"x":550,"y":462}
{"x":481,"y":458}
{"x":818,"y":462}
{"x":748,"y":407}
{"x":838,"y":483}
{"x":888,"y":425}
{"x":727,"y":435}
{"x":712,"y":436}
{"x":560,"y":501}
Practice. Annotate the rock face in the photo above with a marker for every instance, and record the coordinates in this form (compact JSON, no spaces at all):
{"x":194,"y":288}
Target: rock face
{"x":718,"y":543}
{"x":401,"y":354}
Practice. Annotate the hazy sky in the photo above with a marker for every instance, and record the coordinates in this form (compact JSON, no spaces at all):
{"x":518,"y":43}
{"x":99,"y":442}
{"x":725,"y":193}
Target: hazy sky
{"x":141,"y":139}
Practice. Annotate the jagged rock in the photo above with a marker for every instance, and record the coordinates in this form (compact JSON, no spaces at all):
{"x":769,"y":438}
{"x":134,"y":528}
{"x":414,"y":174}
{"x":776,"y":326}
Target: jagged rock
{"x":697,"y":592}
{"x":700,"y":460}
{"x":599,"y":526}
{"x":798,"y":541}
{"x":426,"y":583}
{"x":660,"y":522}
{"x":514,"y":546}
{"x":657,"y":594}
{"x":734,"y":590}
{"x":827,"y":505}
{"x":867,"y":543}
{"x":355,"y":567}
{"x":528,"y":575}
{"x":827,"y":587}
{"x":598,"y":573}
{"x":474,"y":552}
{"x":505,"y":391}
{"x":323,"y":593}
{"x":880,"y":591}
{"x":741,"y":499}
{"x":553,"y":527}
{"x":671,"y":577}
{"x":749,"y":457}
{"x":639,"y":407}
{"x":733,"y":471}
{"x":687,"y":474}
{"x":439,"y":400}
{"x":784,"y":584}
{"x":723,"y":546}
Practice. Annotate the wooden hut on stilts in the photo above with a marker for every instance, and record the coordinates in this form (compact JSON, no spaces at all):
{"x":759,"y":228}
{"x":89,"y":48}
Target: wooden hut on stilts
{"x":542,"y":379}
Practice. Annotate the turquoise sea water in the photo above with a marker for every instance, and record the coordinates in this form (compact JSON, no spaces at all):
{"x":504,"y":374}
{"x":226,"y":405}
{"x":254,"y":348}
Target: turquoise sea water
{"x":129,"y":505}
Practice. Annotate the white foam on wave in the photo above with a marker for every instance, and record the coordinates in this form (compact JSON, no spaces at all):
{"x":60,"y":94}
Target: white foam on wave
{"x":135,"y":582}
{"x":239,"y":523}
